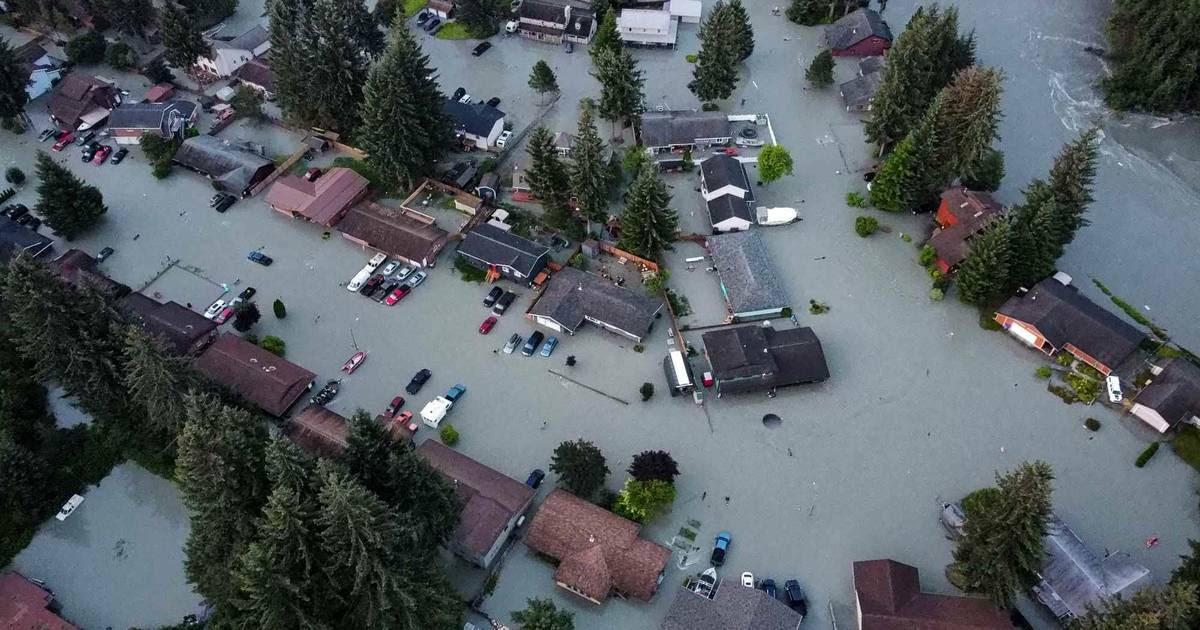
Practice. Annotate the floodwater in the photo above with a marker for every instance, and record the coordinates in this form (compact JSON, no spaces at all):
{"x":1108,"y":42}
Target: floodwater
{"x":118,"y":560}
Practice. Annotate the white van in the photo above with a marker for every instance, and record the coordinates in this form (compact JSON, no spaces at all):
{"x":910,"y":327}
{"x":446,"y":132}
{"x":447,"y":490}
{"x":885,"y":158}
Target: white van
{"x":1113,"y":385}
{"x":359,"y":279}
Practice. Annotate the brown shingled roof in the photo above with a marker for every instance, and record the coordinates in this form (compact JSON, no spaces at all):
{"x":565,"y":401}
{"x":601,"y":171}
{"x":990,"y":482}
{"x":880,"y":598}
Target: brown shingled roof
{"x":25,"y":605}
{"x":890,"y":598}
{"x":395,"y":232}
{"x":323,"y":201}
{"x":970,"y":206}
{"x":272,"y":383}
{"x":78,"y":94}
{"x":598,"y":551}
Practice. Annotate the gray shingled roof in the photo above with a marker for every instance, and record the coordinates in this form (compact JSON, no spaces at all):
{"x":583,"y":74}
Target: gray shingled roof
{"x":492,"y":245}
{"x":249,"y":40}
{"x":871,"y":65}
{"x":724,"y":170}
{"x":150,"y":115}
{"x":858,"y":92}
{"x":573,"y":295}
{"x":235,"y":165}
{"x":726,"y":207}
{"x":546,"y":11}
{"x":1174,"y":393}
{"x":856,"y":27}
{"x":746,"y":273}
{"x":1063,"y":315}
{"x":477,"y":119}
{"x":733,"y":607}
{"x":660,"y":129}
{"x":16,"y":238}
{"x":1074,"y":578}
{"x":754,"y":357}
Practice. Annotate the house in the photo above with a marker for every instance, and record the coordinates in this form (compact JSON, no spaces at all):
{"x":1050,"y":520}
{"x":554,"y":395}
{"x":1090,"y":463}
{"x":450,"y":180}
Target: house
{"x":270,"y":382}
{"x":761,"y":358}
{"x":572,"y":297}
{"x":323,"y":433}
{"x":748,"y":280}
{"x":442,"y":8}
{"x":961,"y":215}
{"x":409,"y":236}
{"x":727,"y":194}
{"x":323,"y":201}
{"x":1073,"y":579}
{"x":556,"y":21}
{"x":597,"y":552}
{"x":862,"y":33}
{"x":17,"y":239}
{"x":493,"y":503}
{"x":888,"y":596}
{"x":732,"y":607}
{"x":1055,"y":316}
{"x":676,"y":131}
{"x":77,"y":268}
{"x":41,"y":69}
{"x":235,"y":166}
{"x":514,"y":257}
{"x":858,"y":92}
{"x":257,"y":73}
{"x":230,"y":54}
{"x":477,"y":125}
{"x":26,"y":605}
{"x":1173,"y":397}
{"x":81,"y":101}
{"x":182,"y":330}
{"x":159,"y":93}
{"x":686,"y":11}
{"x":651,"y":28}
{"x":128,"y":122}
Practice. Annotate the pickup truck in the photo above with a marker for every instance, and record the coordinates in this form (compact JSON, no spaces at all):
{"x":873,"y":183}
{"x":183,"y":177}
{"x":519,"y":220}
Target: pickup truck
{"x":436,"y":409}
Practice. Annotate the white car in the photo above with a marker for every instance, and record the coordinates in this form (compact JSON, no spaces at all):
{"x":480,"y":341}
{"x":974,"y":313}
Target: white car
{"x":465,"y":100}
{"x":416,"y":279}
{"x":1113,"y":384}
{"x":390,"y":267}
{"x":376,"y":260}
{"x":214,"y":309}
{"x":69,"y":507}
{"x":403,"y":273}
{"x":748,"y":579}
{"x":503,"y":139}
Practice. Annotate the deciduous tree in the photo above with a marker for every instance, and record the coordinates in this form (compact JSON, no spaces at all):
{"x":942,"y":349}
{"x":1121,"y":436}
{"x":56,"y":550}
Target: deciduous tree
{"x":245,"y":315}
{"x":643,"y":501}
{"x":542,"y":614}
{"x":580,"y":466}
{"x":774,"y":162}
{"x":648,"y":224}
{"x":652,"y":465}
{"x":86,"y":48}
{"x":68,"y":205}
{"x":480,"y":16}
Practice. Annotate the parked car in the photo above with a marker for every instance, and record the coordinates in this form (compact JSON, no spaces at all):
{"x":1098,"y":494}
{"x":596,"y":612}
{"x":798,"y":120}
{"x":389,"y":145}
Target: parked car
{"x":46,"y":134}
{"x":535,"y":478}
{"x":492,"y":296}
{"x":312,"y":174}
{"x":224,"y":315}
{"x":63,"y":140}
{"x":404,"y":419}
{"x":481,"y":48}
{"x":385,"y":292}
{"x":403,"y":273}
{"x":549,"y":346}
{"x":795,"y":597}
{"x":1113,"y":384}
{"x":397,"y":294}
{"x":503,"y":303}
{"x":418,"y":380}
{"x":16,"y":211}
{"x":31,"y":222}
{"x":768,"y":585}
{"x":456,"y":392}
{"x":214,"y":309}
{"x":458,"y":93}
{"x":487,"y":325}
{"x":101,"y":155}
{"x":465,"y":99}
{"x":119,"y":156}
{"x":432,"y":24}
{"x":569,"y":47}
{"x":503,"y":139}
{"x":247,"y":293}
{"x":394,"y":406}
{"x":26,"y":219}
{"x":371,"y":285}
{"x":423,"y":17}
{"x":748,"y":579}
{"x":390,"y":268}
{"x":104,"y":254}
{"x":225,"y":203}
{"x":260,"y":258}
{"x":531,"y":344}
{"x":436,"y":27}
{"x":89,"y":150}
{"x":720,"y":548}
{"x":513,"y":342}
{"x":494,"y":101}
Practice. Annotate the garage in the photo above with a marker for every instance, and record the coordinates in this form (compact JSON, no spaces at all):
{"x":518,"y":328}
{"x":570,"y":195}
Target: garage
{"x":548,"y":323}
{"x":1024,"y":334}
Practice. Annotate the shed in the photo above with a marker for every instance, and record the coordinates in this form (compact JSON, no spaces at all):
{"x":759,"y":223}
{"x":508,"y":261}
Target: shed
{"x":861,"y":33}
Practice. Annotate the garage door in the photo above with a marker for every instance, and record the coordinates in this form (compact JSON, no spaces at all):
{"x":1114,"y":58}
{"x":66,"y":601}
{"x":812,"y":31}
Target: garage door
{"x":1020,"y":332}
{"x":549,"y":323}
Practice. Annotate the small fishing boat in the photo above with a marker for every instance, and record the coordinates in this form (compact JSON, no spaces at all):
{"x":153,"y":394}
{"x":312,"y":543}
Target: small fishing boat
{"x":326,"y":394}
{"x":707,"y":582}
{"x":354,"y":361}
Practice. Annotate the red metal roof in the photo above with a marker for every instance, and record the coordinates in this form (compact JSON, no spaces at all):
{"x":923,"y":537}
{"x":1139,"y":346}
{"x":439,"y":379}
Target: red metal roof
{"x":23,"y":606}
{"x":323,"y":201}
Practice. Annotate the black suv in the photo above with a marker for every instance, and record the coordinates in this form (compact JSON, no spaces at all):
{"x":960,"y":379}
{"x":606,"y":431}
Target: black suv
{"x":503,"y":303}
{"x":492,"y":296}
{"x":795,"y":597}
{"x":418,"y":380}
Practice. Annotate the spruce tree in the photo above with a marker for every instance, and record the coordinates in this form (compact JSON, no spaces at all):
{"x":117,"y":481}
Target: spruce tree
{"x":426,"y":501}
{"x":984,"y":275}
{"x":1173,"y":607}
{"x":1154,"y":46}
{"x":12,"y":83}
{"x":181,"y":37}
{"x":548,"y":178}
{"x":542,"y":78}
{"x":820,"y":71}
{"x":1071,"y":180}
{"x":741,"y":31}
{"x":290,"y":56}
{"x":648,"y":225}
{"x":68,"y":205}
{"x":968,"y":120}
{"x":607,"y":38}
{"x":911,"y":175}
{"x":588,"y":170}
{"x":715,"y":75}
{"x":986,"y":173}
{"x":157,"y":381}
{"x":344,"y":38}
{"x":402,"y":106}
{"x":1001,"y":553}
{"x":621,"y":85}
{"x":128,"y":16}
{"x":1036,"y":241}
{"x":807,"y":12}
{"x":368,"y":444}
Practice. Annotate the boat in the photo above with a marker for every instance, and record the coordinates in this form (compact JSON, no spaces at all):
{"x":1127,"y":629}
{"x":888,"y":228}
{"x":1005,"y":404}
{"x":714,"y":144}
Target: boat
{"x":69,"y":507}
{"x":354,"y":361}
{"x":775,"y":216}
{"x":707,"y":583}
{"x":326,"y":394}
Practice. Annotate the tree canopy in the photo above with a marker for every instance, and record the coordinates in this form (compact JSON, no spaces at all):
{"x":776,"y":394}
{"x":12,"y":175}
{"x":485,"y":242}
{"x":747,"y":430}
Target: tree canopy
{"x":621,"y":83}
{"x":1156,"y":47}
{"x":774,"y":162}
{"x":588,"y":170}
{"x":648,"y":224}
{"x":542,"y":614}
{"x":715,"y":75}
{"x":181,"y":37}
{"x":542,"y":78}
{"x":580,"y":466}
{"x":654,"y":465}
{"x":548,"y":178}
{"x":68,"y":204}
{"x":12,"y":83}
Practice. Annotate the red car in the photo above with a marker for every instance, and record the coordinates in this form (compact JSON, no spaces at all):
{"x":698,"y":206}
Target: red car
{"x":224,"y":315}
{"x":102,"y":154}
{"x":398,"y":294}
{"x":487,"y":325}
{"x":394,"y":407}
{"x":66,"y":138}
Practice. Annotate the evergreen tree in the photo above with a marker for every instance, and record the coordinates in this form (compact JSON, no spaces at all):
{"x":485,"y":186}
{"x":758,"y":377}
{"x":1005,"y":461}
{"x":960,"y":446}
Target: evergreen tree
{"x":157,"y":381}
{"x":1036,"y":242}
{"x":984,"y":275}
{"x":715,"y":75}
{"x":1155,"y":48}
{"x":808,"y":12}
{"x":820,"y":71}
{"x":128,"y":16}
{"x":967,"y":121}
{"x":580,"y":466}
{"x":426,"y":500}
{"x":368,"y":444}
{"x":542,"y":78}
{"x":290,"y":58}
{"x":86,"y":48}
{"x":343,"y":39}
{"x":647,"y":225}
{"x":1071,"y":180}
{"x":742,"y":32}
{"x":23,"y":479}
{"x":68,"y":205}
{"x":1189,"y":569}
{"x":606,"y":38}
{"x":621,"y":85}
{"x":12,"y":83}
{"x":911,"y":175}
{"x":986,"y":173}
{"x":1001,"y":553}
{"x":181,"y":37}
{"x":208,"y":12}
{"x":548,"y":178}
{"x":588,"y":170}
{"x":1174,"y":607}
{"x":542,"y":614}
{"x":403,"y":109}
{"x":654,"y":465}
{"x":480,"y":16}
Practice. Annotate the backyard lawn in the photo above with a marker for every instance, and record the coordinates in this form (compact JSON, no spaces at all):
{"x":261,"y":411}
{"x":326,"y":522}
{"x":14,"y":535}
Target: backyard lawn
{"x":411,"y":7}
{"x":454,"y":30}
{"x":1187,"y":445}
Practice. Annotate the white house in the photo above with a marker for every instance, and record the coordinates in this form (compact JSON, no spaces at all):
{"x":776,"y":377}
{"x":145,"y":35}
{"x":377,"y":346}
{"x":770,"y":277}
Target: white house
{"x":647,"y":27}
{"x":727,"y":194}
{"x":478,"y":125}
{"x":686,"y":11}
{"x":231,"y":54}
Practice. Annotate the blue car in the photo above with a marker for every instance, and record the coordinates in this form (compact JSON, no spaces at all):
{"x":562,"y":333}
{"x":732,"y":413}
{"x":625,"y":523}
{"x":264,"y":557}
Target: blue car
{"x":768,"y":585}
{"x":260,"y":258}
{"x":720,"y":548}
{"x":549,"y":346}
{"x":456,"y":392}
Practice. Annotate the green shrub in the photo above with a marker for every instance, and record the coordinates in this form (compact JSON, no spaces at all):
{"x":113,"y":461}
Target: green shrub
{"x":637,"y":347}
{"x":927,"y":256}
{"x":1146,"y":455}
{"x":280,"y":310}
{"x":936,"y":294}
{"x":1093,"y":424}
{"x":817,"y":308}
{"x":87,"y":48}
{"x":907,"y":238}
{"x":120,"y":56}
{"x":1064,"y":359}
{"x":1043,"y":372}
{"x":251,"y":337}
{"x":1187,"y":445}
{"x":856,"y":199}
{"x":161,"y":170}
{"x":933,"y":272}
{"x":469,"y":272}
{"x":646,"y":390}
{"x":977,"y":502}
{"x":1087,"y":389}
{"x":710,"y":107}
{"x":274,"y":345}
{"x":692,"y":58}
{"x":449,"y":435}
{"x":866,"y":226}
{"x":1066,"y":394}
{"x":14,"y":176}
